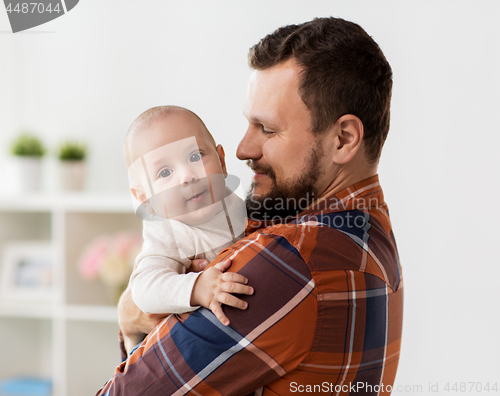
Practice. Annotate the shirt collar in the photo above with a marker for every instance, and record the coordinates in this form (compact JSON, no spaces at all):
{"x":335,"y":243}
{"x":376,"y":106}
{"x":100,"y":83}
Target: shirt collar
{"x":362,"y":196}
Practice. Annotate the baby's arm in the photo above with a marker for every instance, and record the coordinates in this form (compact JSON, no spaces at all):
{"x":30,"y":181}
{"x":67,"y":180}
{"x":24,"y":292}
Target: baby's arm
{"x":159,"y":286}
{"x":215,"y":287}
{"x":159,"y":283}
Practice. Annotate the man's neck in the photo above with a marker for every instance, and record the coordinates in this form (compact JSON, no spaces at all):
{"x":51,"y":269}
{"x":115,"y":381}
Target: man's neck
{"x":348,"y":175}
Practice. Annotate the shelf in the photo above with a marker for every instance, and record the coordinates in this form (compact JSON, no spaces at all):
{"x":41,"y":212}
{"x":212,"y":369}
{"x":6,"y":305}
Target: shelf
{"x":26,"y":310}
{"x":64,"y":332}
{"x":91,"y":313}
{"x":68,"y":201}
{"x":96,"y":345}
{"x":28,"y":346}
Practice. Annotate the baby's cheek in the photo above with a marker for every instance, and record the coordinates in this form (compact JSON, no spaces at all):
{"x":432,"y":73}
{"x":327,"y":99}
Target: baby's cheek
{"x":176,"y":206}
{"x":217,"y":187}
{"x":169,"y":187}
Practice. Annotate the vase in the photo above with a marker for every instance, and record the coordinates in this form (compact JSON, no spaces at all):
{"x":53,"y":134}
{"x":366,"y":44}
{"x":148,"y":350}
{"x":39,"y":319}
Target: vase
{"x":72,"y":175}
{"x":25,"y":174}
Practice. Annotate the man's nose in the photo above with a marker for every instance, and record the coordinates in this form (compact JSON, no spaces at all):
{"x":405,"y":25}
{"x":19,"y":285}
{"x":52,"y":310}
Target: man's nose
{"x":250,"y":146}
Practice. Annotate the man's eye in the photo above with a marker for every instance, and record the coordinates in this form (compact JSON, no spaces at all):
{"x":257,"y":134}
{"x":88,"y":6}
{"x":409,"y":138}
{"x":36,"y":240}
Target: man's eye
{"x":195,"y":157}
{"x":165,"y":173}
{"x":265,"y":132}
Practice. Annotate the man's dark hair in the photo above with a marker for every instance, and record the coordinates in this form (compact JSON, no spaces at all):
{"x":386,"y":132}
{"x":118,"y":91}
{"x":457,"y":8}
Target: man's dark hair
{"x":345,"y":72}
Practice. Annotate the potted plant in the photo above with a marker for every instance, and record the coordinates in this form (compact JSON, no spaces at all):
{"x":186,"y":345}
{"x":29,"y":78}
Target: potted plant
{"x":72,"y":165}
{"x":26,"y":165}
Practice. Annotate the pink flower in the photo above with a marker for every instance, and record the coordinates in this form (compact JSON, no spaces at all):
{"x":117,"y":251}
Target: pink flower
{"x":110,"y":258}
{"x":93,"y":257}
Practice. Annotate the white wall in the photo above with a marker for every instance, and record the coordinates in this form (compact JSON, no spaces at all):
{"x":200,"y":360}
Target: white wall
{"x":90,"y":73}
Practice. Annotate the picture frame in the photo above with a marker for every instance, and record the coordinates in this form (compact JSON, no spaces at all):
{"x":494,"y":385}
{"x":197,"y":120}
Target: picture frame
{"x":26,"y":271}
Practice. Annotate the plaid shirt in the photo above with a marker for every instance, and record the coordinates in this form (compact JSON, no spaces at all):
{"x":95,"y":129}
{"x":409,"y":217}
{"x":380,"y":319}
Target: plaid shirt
{"x":325,"y":317}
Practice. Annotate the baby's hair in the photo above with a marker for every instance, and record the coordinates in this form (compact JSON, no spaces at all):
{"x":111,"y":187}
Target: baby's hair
{"x":147,"y":118}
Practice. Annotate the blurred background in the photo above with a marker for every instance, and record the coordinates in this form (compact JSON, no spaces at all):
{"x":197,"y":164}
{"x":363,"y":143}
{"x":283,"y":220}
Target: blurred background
{"x":85,"y":76}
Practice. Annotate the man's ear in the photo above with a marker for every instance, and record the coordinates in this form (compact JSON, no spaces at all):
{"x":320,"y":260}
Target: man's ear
{"x":222,"y":159}
{"x":348,"y":135}
{"x":138,"y":193}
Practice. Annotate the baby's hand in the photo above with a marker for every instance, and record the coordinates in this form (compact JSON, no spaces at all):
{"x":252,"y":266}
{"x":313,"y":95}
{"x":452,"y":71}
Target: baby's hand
{"x":214,"y":287}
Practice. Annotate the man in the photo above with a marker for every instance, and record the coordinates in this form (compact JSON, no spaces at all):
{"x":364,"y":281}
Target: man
{"x":326,"y":315}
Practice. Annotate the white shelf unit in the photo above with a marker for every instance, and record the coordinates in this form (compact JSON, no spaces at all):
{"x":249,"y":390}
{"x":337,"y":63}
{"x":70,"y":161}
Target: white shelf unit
{"x":72,"y":339}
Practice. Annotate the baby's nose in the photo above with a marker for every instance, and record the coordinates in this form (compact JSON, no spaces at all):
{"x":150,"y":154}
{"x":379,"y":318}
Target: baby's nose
{"x":188,"y":176}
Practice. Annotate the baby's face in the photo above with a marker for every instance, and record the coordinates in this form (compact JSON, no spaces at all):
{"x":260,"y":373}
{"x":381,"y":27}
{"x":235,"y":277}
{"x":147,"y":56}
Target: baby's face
{"x":183,"y":168}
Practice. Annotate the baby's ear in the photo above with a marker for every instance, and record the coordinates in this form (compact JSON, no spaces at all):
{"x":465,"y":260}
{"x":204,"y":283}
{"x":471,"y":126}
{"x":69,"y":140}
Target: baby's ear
{"x":138,"y":193}
{"x":222,"y":159}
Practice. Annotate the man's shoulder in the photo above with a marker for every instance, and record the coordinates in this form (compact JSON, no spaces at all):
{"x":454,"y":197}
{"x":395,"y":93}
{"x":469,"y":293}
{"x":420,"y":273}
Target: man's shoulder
{"x":304,"y":232}
{"x":352,"y":240}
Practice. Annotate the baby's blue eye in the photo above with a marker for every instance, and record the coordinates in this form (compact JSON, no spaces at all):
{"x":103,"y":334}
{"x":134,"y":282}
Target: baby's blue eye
{"x":195,"y":157}
{"x":165,"y":173}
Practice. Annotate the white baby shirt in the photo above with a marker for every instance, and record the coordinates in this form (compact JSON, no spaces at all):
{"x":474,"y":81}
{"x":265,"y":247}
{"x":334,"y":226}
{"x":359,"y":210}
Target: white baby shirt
{"x":159,"y":282}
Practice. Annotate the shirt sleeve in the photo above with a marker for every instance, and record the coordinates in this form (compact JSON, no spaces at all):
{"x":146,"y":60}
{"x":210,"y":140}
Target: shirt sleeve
{"x":160,"y":286}
{"x":159,"y":283}
{"x":195,"y":354}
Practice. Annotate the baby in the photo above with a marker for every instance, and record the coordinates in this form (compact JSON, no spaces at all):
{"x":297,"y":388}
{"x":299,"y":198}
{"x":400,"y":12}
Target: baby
{"x":177,"y":177}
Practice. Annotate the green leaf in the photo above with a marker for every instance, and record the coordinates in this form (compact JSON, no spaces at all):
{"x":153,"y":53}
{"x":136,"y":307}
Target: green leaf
{"x":72,"y":151}
{"x":27,"y":145}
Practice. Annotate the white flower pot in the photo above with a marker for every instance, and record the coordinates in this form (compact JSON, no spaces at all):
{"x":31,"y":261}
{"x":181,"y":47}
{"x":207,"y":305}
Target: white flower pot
{"x":25,"y":174}
{"x":72,"y":175}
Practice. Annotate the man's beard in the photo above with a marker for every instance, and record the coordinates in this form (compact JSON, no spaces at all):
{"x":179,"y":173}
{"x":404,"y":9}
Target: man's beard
{"x":291,"y":197}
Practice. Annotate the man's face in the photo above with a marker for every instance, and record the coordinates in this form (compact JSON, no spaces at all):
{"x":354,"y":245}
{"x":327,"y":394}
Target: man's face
{"x":278,"y":144}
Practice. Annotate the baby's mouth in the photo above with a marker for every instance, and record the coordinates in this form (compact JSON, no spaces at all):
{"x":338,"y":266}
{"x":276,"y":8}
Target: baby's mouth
{"x":197,"y":197}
